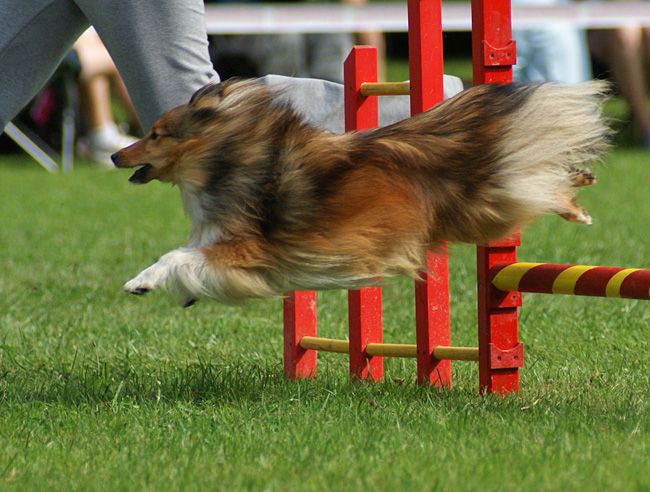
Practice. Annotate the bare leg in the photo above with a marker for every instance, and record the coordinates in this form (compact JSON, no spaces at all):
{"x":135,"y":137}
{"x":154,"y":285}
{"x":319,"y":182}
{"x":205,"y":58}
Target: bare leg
{"x":98,"y":75}
{"x":622,"y":49}
{"x":124,"y":98}
{"x":95,"y":98}
{"x":376,"y":39}
{"x":373,"y":38}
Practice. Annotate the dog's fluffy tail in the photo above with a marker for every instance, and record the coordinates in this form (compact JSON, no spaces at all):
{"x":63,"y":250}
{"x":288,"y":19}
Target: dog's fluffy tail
{"x":497,"y":156}
{"x":556,"y":131}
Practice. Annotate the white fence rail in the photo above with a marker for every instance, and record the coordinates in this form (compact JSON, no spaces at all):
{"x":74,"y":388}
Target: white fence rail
{"x":391,"y":17}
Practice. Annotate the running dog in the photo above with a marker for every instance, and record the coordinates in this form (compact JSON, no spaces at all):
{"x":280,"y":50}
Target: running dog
{"x":278,"y":205}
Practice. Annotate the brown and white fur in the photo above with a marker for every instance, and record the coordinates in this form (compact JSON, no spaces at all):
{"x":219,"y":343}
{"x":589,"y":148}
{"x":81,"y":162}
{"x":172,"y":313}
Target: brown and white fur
{"x":277,"y":204}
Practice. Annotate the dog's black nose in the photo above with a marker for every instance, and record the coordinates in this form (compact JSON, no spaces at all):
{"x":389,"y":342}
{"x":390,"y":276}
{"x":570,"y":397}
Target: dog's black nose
{"x":114,"y":158}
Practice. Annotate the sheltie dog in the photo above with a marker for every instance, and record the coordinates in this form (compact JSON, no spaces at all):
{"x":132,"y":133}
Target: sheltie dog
{"x":278,"y":205}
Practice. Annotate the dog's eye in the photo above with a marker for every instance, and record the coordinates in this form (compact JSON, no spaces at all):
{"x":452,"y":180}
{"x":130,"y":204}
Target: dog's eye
{"x":153,"y":135}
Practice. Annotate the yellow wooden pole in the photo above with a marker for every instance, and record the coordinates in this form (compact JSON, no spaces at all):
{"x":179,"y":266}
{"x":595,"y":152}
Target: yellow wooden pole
{"x":386,"y":88}
{"x":388,"y":349}
{"x":391,"y":350}
{"x":325,"y":344}
{"x":455,"y":353}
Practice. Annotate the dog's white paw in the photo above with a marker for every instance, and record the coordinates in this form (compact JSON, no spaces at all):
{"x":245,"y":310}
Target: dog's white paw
{"x":177,"y":271}
{"x":149,"y":279}
{"x":137,"y":287}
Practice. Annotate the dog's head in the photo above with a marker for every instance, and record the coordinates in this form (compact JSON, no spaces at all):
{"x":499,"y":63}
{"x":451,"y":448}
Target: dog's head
{"x":180,"y":139}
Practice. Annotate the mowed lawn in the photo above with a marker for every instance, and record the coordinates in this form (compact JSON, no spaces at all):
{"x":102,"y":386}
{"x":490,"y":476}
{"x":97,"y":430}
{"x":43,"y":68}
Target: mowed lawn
{"x":100,"y":390}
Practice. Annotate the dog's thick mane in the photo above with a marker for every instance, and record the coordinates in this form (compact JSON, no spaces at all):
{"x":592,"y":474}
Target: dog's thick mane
{"x":251,"y":146}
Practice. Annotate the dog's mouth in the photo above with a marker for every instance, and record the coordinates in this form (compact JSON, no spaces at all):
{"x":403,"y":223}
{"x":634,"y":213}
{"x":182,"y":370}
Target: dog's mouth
{"x":141,"y":175}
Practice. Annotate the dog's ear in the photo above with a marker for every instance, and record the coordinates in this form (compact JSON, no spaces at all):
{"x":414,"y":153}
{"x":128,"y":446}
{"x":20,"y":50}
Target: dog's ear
{"x":202,"y":116}
{"x":209,"y":90}
{"x":215,"y":93}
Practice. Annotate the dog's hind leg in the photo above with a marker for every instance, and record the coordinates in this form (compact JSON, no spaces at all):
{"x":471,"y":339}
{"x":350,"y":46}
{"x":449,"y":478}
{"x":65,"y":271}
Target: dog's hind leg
{"x":582,"y":177}
{"x":571,"y":211}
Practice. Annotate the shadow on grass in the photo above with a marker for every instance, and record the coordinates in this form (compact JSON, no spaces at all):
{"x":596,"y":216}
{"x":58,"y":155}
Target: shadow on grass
{"x":257,"y":385}
{"x":124,"y":380}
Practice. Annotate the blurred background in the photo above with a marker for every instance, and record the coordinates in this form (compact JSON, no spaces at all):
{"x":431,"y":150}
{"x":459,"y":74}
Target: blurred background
{"x":86,"y":107}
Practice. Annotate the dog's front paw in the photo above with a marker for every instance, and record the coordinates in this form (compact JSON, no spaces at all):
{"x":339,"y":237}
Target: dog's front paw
{"x":145,"y":281}
{"x":136,"y":287}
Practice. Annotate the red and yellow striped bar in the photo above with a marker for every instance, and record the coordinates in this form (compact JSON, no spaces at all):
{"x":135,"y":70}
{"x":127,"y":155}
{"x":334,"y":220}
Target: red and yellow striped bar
{"x":578,"y":280}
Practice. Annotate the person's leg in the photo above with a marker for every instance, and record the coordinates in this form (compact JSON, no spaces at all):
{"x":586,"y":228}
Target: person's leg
{"x":565,"y":53}
{"x":321,"y":102}
{"x":98,"y":72}
{"x":159,"y":46}
{"x":94,"y":80}
{"x":161,"y":50}
{"x":622,"y":50}
{"x":34,"y":38}
{"x":646,"y":54}
{"x":125,"y":100}
{"x":556,"y":54}
{"x":378,"y":40}
{"x":326,"y":53}
{"x":103,"y":136}
{"x":282,"y":54}
{"x":524,"y":70}
{"x":95,"y":94}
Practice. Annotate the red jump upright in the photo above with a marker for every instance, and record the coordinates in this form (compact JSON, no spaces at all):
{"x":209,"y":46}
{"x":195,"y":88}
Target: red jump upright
{"x":493,"y":54}
{"x":432,"y":290}
{"x":364,"y":305}
{"x":299,"y":319}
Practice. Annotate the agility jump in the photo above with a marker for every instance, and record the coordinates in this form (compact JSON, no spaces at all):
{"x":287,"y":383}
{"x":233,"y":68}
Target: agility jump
{"x":501,"y":279}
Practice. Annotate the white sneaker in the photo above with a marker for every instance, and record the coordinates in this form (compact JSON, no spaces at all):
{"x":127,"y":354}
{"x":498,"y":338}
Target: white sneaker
{"x":104,"y":142}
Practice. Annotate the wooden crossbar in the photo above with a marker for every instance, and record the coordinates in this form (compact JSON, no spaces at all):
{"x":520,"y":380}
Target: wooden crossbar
{"x":388,"y":349}
{"x":325,"y":344}
{"x":386,"y":88}
{"x":455,"y":353}
{"x":440,"y":352}
{"x":391,"y":350}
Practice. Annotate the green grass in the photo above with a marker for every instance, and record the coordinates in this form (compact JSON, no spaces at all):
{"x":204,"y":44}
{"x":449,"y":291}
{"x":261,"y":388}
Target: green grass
{"x":104,"y":391}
